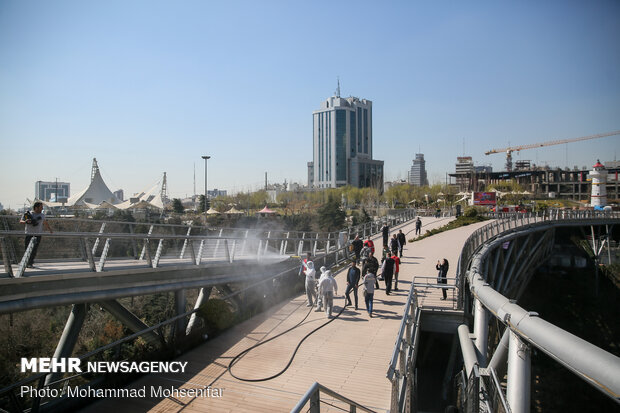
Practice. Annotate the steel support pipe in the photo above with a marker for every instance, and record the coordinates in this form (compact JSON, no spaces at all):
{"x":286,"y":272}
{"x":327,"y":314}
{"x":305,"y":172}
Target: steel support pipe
{"x":500,"y":356}
{"x":481,"y":331}
{"x":69,"y":337}
{"x":594,"y":365}
{"x":519,"y":375}
{"x":203,"y":296}
{"x":467,"y":348}
{"x":130,"y":320}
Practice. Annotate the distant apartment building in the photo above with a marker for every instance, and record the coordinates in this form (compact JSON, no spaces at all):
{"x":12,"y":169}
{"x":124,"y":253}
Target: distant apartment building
{"x":120,"y":195}
{"x":417,"y":174}
{"x":216,"y":192}
{"x":342,"y":145}
{"x":52,"y":191}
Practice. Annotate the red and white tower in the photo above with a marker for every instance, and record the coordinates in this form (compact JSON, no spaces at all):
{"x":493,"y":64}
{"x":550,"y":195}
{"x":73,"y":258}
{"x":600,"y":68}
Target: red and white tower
{"x":599,"y":181}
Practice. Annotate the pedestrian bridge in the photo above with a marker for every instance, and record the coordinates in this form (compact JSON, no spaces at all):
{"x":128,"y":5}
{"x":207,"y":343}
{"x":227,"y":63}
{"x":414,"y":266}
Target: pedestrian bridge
{"x":352,"y":355}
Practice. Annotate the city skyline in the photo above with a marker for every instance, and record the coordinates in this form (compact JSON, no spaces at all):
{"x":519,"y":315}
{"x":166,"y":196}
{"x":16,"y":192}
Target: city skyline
{"x":148,"y":87}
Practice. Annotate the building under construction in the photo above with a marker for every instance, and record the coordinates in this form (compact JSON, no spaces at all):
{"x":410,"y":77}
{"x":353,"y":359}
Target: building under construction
{"x":541,"y":182}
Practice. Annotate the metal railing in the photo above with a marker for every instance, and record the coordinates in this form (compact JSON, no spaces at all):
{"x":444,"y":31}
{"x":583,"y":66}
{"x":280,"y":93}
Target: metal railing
{"x":401,"y":371}
{"x":505,"y":222}
{"x":313,"y":397}
{"x":596,"y":366}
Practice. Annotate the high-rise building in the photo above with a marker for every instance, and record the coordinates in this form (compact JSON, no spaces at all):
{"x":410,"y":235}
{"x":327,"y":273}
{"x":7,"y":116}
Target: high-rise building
{"x":417,"y":174}
{"x":342,"y":150}
{"x":52,"y":191}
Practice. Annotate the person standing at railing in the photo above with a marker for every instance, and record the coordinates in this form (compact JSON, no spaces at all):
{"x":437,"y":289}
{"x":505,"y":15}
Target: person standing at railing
{"x":328,"y":288}
{"x":353,"y":280}
{"x":34,"y":221}
{"x":442,"y":275}
{"x":369,"y":291}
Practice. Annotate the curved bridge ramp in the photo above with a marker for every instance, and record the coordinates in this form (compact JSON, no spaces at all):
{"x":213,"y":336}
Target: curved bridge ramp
{"x":350,"y":355}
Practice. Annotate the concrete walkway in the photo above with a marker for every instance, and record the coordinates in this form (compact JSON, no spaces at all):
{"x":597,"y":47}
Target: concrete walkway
{"x":350,"y":355}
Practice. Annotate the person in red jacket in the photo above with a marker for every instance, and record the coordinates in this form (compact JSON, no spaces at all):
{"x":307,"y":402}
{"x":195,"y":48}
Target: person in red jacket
{"x":368,"y":243}
{"x":396,"y":270}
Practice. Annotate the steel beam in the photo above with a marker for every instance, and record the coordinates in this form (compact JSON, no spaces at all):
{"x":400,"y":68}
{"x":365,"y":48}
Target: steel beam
{"x":69,"y":337}
{"x":130,"y":320}
{"x":481,"y":331}
{"x":203,"y":296}
{"x":519,"y":374}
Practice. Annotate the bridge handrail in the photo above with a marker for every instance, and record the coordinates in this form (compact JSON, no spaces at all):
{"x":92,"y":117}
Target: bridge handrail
{"x":312,"y":395}
{"x":402,"y":364}
{"x":504,"y":222}
{"x":594,"y":365}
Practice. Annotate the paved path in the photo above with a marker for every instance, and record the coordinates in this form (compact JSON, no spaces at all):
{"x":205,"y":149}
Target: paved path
{"x":350,"y":355}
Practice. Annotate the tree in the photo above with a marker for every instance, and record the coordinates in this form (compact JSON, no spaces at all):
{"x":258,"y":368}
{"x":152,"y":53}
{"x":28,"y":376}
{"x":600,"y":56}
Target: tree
{"x":331,"y":216}
{"x":177,"y":206}
{"x":201,"y":204}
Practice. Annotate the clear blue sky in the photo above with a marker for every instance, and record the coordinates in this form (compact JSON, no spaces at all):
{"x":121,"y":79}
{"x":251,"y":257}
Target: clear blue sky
{"x":150,"y":86}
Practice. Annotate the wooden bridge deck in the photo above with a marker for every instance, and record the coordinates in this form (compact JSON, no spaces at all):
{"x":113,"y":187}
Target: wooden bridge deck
{"x":350,"y":355}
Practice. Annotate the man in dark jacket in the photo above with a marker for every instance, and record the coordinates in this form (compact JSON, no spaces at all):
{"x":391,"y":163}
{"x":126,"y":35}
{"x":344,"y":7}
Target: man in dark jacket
{"x":371,"y":266}
{"x":357,"y":245}
{"x":353,"y":280}
{"x":402,"y":240}
{"x":394,"y":244}
{"x":385,"y":230}
{"x":387,"y":270}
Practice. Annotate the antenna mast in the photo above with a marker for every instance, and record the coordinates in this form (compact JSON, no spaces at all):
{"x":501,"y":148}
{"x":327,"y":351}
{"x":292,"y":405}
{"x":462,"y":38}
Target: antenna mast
{"x":95,"y":170}
{"x":338,"y":88}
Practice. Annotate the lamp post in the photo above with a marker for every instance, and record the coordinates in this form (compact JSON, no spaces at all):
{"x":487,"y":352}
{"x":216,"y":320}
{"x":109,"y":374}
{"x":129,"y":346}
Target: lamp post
{"x":205,"y":157}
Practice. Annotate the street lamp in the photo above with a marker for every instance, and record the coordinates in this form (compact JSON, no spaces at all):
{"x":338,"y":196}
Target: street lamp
{"x":205,"y":157}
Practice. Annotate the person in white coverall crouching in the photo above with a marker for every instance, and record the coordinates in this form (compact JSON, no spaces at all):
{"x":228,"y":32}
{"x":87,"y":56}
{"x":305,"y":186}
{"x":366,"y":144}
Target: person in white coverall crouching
{"x":328,"y":288}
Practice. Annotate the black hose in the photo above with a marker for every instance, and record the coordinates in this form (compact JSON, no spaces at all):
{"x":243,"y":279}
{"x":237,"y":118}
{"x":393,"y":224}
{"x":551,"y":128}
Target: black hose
{"x":236,"y":358}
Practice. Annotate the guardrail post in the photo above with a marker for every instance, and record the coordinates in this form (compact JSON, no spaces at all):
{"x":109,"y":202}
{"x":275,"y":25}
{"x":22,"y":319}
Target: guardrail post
{"x":481,"y":330}
{"x":189,"y":230}
{"x":160,"y":248}
{"x":315,"y":402}
{"x":104,"y":255}
{"x":300,"y":249}
{"x":217,"y":244}
{"x":6,"y":259}
{"x":144,"y":248}
{"x":22,"y":264}
{"x":316,"y":245}
{"x":89,"y":254}
{"x":228,"y":252}
{"x":200,"y":251}
{"x":97,"y":240}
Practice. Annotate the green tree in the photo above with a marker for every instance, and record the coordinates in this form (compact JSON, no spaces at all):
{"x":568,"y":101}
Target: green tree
{"x":331,"y":216}
{"x":177,"y":206}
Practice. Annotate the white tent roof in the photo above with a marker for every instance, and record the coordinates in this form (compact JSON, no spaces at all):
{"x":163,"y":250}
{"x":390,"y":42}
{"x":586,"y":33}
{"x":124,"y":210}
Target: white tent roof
{"x":96,"y":193}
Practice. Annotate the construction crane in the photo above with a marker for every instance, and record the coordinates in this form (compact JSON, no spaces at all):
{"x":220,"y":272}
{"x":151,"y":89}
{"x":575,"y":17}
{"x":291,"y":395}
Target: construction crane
{"x":509,"y":150}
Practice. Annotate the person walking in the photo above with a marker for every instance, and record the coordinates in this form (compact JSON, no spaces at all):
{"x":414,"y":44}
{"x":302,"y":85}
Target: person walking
{"x":357,"y":245}
{"x":34,"y":221}
{"x":353,"y":281}
{"x":370,"y":244}
{"x":319,"y":298}
{"x":394,"y":244}
{"x":369,"y":291}
{"x":371,"y":265}
{"x":385,"y":230}
{"x":328,"y":288}
{"x":396,"y":270}
{"x":402,"y":241}
{"x":442,"y":275}
{"x":418,"y":226}
{"x":387,"y":272}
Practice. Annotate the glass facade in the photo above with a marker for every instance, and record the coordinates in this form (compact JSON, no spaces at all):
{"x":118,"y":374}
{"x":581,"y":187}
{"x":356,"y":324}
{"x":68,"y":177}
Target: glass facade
{"x":341,"y":145}
{"x":352,"y":133}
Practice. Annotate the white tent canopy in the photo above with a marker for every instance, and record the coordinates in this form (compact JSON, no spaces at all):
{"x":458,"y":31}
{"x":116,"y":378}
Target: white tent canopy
{"x":96,"y":193}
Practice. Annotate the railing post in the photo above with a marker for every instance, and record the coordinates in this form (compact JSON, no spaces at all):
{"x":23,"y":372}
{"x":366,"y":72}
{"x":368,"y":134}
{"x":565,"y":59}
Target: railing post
{"x":217,"y":244}
{"x":144,"y":249}
{"x":189,"y":230}
{"x":5,"y":257}
{"x":519,"y":371}
{"x":97,"y":240}
{"x":315,"y":402}
{"x":104,"y":255}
